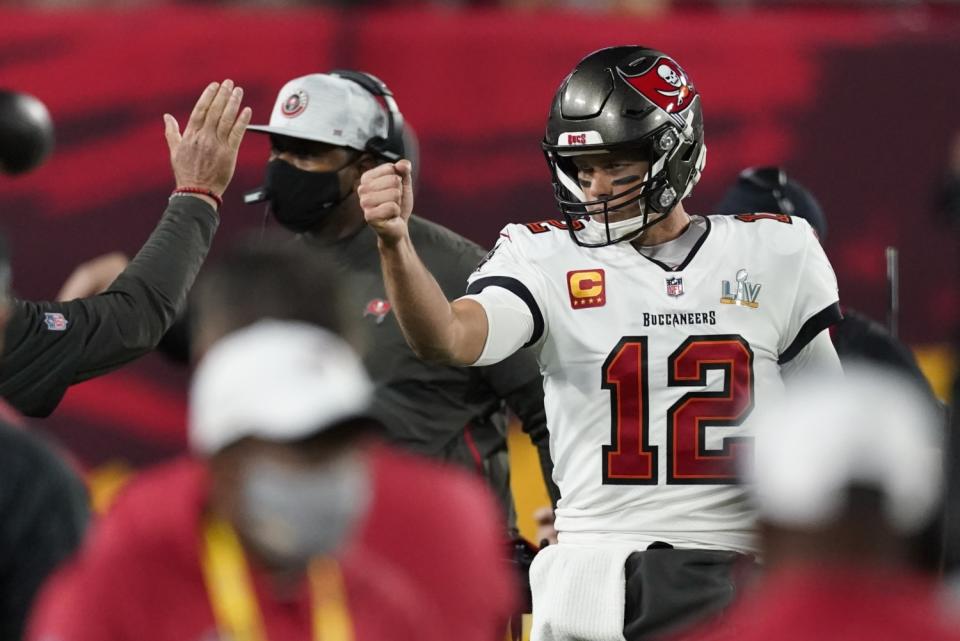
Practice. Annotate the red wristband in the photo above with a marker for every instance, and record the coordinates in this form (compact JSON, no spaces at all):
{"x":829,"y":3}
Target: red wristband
{"x":199,"y":190}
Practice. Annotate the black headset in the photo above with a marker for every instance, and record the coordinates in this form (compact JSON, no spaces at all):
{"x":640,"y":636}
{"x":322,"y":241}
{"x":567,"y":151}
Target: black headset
{"x":390,"y":148}
{"x":773,"y":180}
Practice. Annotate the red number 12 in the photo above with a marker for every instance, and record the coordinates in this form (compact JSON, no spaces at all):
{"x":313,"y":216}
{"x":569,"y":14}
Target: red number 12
{"x":631,"y":459}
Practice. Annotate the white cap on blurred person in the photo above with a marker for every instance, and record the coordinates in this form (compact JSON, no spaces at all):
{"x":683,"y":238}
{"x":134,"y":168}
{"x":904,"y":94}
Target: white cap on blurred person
{"x":275,"y":380}
{"x":871,"y":428}
{"x":326,"y":108}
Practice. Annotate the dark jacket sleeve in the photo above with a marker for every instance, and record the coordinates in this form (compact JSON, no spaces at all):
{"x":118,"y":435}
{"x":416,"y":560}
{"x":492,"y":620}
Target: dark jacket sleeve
{"x":43,"y":505}
{"x":50,"y":346}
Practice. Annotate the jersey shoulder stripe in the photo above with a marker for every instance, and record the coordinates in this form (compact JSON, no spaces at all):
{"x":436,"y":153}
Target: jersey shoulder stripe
{"x":827,"y":317}
{"x":520,"y":291}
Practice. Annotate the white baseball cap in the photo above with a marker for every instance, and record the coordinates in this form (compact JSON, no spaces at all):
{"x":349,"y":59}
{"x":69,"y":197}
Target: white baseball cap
{"x":872,"y":428}
{"x":326,"y":108}
{"x":275,"y":380}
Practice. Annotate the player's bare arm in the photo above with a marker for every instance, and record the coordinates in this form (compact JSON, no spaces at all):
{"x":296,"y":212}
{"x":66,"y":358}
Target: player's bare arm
{"x":435,"y":328}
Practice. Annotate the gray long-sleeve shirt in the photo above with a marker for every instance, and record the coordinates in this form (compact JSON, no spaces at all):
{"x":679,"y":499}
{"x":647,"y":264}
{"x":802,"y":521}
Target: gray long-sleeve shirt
{"x":50,"y":346}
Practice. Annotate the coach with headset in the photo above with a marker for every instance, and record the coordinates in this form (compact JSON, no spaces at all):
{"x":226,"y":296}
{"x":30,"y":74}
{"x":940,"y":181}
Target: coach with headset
{"x":325,"y":131}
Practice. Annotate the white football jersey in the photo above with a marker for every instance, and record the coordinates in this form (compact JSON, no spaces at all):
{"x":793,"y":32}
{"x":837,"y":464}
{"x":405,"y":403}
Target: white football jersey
{"x":652,"y":372}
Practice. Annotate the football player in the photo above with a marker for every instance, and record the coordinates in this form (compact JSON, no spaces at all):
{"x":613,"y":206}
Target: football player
{"x":658,"y":333}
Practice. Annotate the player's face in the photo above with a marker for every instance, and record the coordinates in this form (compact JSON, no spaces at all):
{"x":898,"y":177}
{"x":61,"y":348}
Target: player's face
{"x":605,"y":176}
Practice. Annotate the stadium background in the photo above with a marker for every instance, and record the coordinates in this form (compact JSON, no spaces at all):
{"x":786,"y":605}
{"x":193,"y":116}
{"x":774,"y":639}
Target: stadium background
{"x":858,"y":102}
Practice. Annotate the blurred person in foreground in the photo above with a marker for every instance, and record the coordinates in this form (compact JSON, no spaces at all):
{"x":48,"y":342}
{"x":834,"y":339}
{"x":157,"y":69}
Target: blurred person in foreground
{"x":845,"y":473}
{"x":424,"y":517}
{"x":287,"y":456}
{"x":50,"y":346}
{"x":43,"y":502}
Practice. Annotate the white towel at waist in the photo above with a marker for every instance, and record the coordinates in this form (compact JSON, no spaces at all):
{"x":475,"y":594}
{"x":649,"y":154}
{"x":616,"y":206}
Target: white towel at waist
{"x":579,"y":593}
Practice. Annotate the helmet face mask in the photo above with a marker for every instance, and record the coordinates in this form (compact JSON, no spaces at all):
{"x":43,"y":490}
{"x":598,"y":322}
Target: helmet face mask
{"x":625,"y":99}
{"x":602,"y":219}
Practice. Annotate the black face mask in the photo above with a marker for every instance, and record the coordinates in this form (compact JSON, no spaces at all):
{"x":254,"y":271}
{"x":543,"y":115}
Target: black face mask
{"x":300,"y":199}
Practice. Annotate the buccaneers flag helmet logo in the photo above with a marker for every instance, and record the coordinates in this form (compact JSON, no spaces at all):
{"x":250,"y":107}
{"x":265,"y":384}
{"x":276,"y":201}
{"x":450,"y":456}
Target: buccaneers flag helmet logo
{"x":664,"y":84}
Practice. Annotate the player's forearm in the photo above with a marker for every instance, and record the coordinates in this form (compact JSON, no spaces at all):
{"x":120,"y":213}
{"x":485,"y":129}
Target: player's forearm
{"x":429,"y":322}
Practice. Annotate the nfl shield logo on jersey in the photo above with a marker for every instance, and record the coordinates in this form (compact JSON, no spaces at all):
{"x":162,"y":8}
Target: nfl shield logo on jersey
{"x":55,"y":322}
{"x":675,"y":286}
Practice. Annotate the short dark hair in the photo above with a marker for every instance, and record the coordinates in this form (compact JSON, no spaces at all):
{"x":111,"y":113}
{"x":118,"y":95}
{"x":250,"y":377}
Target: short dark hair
{"x":257,"y":279}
